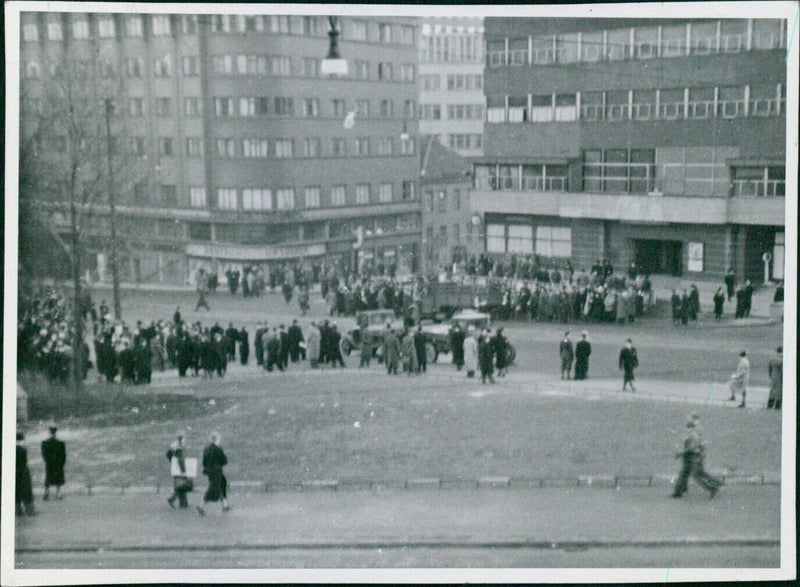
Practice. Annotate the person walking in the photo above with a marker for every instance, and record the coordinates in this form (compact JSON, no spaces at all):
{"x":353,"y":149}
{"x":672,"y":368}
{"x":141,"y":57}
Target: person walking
{"x":336,"y":347}
{"x":244,"y":346}
{"x":366,"y":349}
{"x":675,"y":302}
{"x":776,"y":380}
{"x":391,"y":352}
{"x":692,"y":453}
{"x":567,"y":354}
{"x":628,"y":361}
{"x":54,"y":454}
{"x":740,"y":379}
{"x":471,"y":354}
{"x":583,"y":349}
{"x":23,"y":495}
{"x":419,"y":347}
{"x":213,"y":460}
{"x":719,"y":301}
{"x":201,"y":299}
{"x":410,"y":364}
{"x":486,"y":357}
{"x":457,"y":338}
{"x":181,"y":482}
{"x":730,"y":282}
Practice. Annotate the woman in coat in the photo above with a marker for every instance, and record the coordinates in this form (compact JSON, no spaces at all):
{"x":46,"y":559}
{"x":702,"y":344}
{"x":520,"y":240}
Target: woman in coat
{"x":486,"y":357}
{"x":471,"y":354}
{"x":313,"y":342}
{"x":719,"y":300}
{"x":740,"y":379}
{"x":213,"y":460}
{"x":500,"y":343}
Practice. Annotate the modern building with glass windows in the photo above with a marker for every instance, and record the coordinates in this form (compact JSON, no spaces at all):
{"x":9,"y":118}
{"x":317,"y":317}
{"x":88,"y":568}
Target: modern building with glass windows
{"x":251,"y":155}
{"x":655,"y":142}
{"x":451,"y":98}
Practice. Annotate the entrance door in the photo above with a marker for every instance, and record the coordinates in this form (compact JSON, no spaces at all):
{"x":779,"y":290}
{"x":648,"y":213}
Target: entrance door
{"x":658,"y":257}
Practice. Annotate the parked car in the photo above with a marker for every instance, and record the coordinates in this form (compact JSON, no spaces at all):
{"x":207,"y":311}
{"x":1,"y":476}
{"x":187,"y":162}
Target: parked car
{"x":438,"y":335}
{"x":371,"y":323}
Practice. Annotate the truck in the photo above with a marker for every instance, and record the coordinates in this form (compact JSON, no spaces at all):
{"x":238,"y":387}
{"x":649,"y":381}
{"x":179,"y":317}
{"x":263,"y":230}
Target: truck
{"x":438,"y":334}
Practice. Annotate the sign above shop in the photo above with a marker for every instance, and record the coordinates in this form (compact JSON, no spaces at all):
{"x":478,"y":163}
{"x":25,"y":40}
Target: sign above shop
{"x":244,"y":253}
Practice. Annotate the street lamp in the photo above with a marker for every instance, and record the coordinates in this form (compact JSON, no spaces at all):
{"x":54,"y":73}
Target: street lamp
{"x":333,"y":65}
{"x":113,"y":255}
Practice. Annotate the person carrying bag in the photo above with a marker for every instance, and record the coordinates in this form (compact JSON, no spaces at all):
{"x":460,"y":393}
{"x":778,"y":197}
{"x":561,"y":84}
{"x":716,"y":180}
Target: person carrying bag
{"x":183,"y":471}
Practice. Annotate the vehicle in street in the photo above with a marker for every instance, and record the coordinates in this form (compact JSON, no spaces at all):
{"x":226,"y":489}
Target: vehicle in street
{"x":443,"y":299}
{"x":372,"y":324}
{"x":438,"y":335}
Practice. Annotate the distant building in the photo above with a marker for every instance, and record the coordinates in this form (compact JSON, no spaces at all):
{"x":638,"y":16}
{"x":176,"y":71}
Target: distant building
{"x":252,"y":155}
{"x":654,"y":142}
{"x":451,"y":98}
{"x":445,"y":180}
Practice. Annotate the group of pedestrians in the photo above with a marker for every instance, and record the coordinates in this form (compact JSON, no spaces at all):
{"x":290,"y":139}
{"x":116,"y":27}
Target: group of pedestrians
{"x":183,"y":473}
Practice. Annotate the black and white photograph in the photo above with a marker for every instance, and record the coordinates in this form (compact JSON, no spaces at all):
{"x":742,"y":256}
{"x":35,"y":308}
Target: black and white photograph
{"x":399,"y":293}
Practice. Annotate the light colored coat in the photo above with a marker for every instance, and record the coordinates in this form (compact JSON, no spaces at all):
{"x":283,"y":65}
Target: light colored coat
{"x":741,"y":378}
{"x":312,"y":343}
{"x":471,"y":354}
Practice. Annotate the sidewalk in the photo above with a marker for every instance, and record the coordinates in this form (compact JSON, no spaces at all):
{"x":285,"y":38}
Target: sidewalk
{"x":542,"y":518}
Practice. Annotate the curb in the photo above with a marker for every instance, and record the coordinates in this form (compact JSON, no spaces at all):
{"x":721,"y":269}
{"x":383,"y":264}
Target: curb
{"x":428,"y":483}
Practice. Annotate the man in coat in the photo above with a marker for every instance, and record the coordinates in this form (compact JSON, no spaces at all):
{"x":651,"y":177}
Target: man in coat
{"x":258,"y":344}
{"x":213,"y":460}
{"x":692,"y":453}
{"x":457,"y":338}
{"x":628,"y":361}
{"x":244,"y":346}
{"x":471,"y":353}
{"x":336,"y":347}
{"x":283,"y":354}
{"x":776,"y":380}
{"x":127,"y":363}
{"x":24,"y":485}
{"x":419,"y":346}
{"x":231,"y":334}
{"x":54,"y":454}
{"x":391,"y":352}
{"x":582,"y":351}
{"x":273,"y":351}
{"x":295,"y":337}
{"x":486,"y":357}
{"x":730,"y":282}
{"x":313,"y":345}
{"x":567,"y":355}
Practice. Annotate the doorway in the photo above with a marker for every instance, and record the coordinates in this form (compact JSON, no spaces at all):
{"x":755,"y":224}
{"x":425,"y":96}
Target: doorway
{"x":657,"y":257}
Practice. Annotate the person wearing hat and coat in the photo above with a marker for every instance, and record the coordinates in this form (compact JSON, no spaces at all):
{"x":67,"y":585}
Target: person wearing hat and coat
{"x":182,"y":484}
{"x":54,"y":454}
{"x":692,"y":453}
{"x":213,"y":460}
{"x":24,"y":486}
{"x":740,"y":379}
{"x":583,"y":349}
{"x":567,"y":355}
{"x":628,"y":361}
{"x":776,"y":380}
{"x":471,"y":353}
{"x":457,"y":338}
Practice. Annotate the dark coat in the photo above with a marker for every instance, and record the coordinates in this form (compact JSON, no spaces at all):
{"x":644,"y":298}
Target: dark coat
{"x":500,"y":344}
{"x":486,"y":356}
{"x":628,"y":361}
{"x":54,"y":453}
{"x":213,"y":460}
{"x":457,"y":338}
{"x":583,"y":349}
{"x":24,"y":485}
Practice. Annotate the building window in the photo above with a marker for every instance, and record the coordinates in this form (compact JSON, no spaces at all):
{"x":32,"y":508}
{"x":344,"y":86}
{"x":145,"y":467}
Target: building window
{"x":362,"y":109}
{"x":54,"y":31}
{"x":251,"y":65}
{"x":136,"y":106}
{"x":385,"y":193}
{"x":255,"y":148}
{"x":471,"y":112}
{"x":360,"y":70}
{"x":134,"y":27}
{"x":311,"y":147}
{"x":407,"y":146}
{"x":553,"y":241}
{"x":200,"y":231}
{"x":191,"y":66}
{"x":495,"y":109}
{"x":520,"y":239}
{"x":408,"y":190}
{"x":163,"y":106}
{"x":431,"y":82}
{"x":619,"y":170}
{"x":285,"y":199}
{"x":192,"y":106}
{"x":338,"y":147}
{"x":385,"y":33}
{"x":165,"y":146}
{"x":338,"y":107}
{"x":429,"y":201}
{"x":105,"y":27}
{"x":161,"y":25}
{"x":226,"y":148}
{"x":338,"y":195}
{"x":407,"y":72}
{"x":284,"y":148}
{"x":759,"y":181}
{"x":310,"y":26}
{"x":137,"y":146}
{"x":30,"y":69}
{"x":162,"y":66}
{"x":284,"y":106}
{"x":189,"y":24}
{"x":194,"y":147}
{"x":361,"y":147}
{"x":362,"y":193}
{"x":222,"y":64}
{"x":311,"y":107}
{"x":197,"y":197}
{"x":442,"y":236}
{"x":80,"y":29}
{"x":442,"y":199}
{"x":701,"y":103}
{"x":279,"y":23}
{"x":495,"y":238}
{"x":385,"y":71}
{"x":168,"y":194}
{"x":386,"y":109}
{"x":430,"y":111}
{"x":226,"y":199}
{"x":281,"y":65}
{"x":247,"y":107}
{"x":358,"y":30}
{"x":262,"y":105}
{"x":309,"y":67}
{"x":30,"y":32}
{"x":140,"y":193}
{"x":385,"y":146}
{"x":406,"y":36}
{"x":134,"y":67}
{"x":409,"y":109}
{"x":312,"y":197}
{"x":256,"y":199}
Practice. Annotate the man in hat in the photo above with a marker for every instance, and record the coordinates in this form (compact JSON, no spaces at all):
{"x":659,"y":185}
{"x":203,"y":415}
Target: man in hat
{"x":457,"y":338}
{"x":567,"y":355}
{"x":583,"y":349}
{"x":24,"y":486}
{"x":740,"y":379}
{"x":776,"y":380}
{"x":213,"y":460}
{"x":628,"y":361}
{"x":182,"y":484}
{"x":54,"y":454}
{"x":692,"y":452}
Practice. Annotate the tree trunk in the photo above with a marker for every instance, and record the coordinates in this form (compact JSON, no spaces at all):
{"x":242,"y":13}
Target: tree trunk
{"x":76,"y":379}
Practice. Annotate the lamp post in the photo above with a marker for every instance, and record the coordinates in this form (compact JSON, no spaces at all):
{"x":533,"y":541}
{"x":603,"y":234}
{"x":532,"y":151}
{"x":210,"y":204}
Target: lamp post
{"x":333,"y":65}
{"x":113,"y":252}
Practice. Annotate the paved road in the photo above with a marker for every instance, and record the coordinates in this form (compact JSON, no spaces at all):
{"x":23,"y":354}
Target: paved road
{"x":548,"y":527}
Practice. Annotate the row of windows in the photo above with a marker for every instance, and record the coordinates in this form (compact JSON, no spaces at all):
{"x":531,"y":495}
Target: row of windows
{"x":453,"y":111}
{"x":440,"y":239}
{"x":464,"y":141}
{"x":545,"y":241}
{"x":133,"y":25}
{"x":453,"y":82}
{"x":285,"y":65}
{"x":663,"y":104}
{"x":265,"y":199}
{"x":452,"y":48}
{"x":438,"y":201}
{"x":694,"y":38}
{"x":312,"y":147}
{"x":310,"y":107}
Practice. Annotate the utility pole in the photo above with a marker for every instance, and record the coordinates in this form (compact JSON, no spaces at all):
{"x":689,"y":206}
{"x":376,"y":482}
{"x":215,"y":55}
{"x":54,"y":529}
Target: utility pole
{"x":113,"y":259}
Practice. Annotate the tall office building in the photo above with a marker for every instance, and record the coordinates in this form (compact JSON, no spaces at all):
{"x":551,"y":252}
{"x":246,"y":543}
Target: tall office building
{"x":660,"y":143}
{"x":452,"y":102}
{"x":249,"y":155}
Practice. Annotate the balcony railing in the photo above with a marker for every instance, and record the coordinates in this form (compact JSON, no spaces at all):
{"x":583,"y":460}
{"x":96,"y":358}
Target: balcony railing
{"x":496,"y":58}
{"x":758,"y":187}
{"x":731,"y":108}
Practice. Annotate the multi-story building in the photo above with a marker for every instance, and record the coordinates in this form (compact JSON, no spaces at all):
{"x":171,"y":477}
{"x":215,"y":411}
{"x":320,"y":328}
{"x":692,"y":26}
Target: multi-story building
{"x":660,"y":143}
{"x":451,"y":98}
{"x":254,"y":157}
{"x":445,"y":180}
